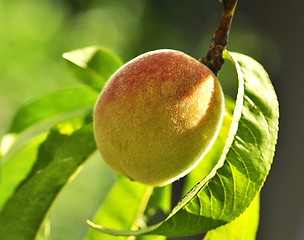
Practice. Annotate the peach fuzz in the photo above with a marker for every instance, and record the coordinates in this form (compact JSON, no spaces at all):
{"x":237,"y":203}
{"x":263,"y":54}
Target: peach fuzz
{"x":157,"y":116}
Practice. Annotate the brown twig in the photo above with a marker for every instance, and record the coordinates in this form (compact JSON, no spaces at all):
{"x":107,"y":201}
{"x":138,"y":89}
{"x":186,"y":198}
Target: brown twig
{"x":213,"y":59}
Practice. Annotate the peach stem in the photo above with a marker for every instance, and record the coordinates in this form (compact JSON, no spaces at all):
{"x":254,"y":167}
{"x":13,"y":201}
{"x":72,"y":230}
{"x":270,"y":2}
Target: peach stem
{"x":213,"y":59}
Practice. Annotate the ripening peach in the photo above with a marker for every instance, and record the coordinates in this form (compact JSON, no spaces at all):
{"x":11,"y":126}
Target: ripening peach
{"x":157,"y":116}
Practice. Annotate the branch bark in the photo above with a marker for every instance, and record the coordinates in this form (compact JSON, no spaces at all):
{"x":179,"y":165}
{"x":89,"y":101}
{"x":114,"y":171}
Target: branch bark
{"x":213,"y":59}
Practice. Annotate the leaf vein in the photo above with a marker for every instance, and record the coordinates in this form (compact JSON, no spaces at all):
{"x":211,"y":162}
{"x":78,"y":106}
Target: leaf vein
{"x":234,"y":187}
{"x":225,"y":195}
{"x":211,"y":198}
{"x":247,"y":171}
{"x":251,"y":133}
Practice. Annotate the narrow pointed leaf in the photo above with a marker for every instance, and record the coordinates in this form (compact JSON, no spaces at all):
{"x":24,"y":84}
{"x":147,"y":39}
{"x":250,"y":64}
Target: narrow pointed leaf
{"x":93,"y":65}
{"x":59,"y":158}
{"x":242,"y":168}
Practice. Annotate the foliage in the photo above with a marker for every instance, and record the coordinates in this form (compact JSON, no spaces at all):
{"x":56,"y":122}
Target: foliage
{"x":52,"y":138}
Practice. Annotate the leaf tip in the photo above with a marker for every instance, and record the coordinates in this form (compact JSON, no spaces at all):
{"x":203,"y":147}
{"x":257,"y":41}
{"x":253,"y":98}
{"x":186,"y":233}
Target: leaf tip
{"x":92,"y":225}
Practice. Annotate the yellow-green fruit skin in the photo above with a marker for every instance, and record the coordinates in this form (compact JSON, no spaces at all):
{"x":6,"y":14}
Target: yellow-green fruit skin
{"x":157,"y":116}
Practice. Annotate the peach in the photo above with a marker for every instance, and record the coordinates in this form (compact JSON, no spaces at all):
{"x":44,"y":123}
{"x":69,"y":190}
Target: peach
{"x":157,"y":116}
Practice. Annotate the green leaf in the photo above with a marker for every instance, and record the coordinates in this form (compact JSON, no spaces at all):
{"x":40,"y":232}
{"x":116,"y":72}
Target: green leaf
{"x":93,"y":65}
{"x":123,"y":207}
{"x":213,"y":155}
{"x":53,"y":106}
{"x":80,"y":199}
{"x":242,"y":168}
{"x":158,"y":207}
{"x":243,"y":227}
{"x":16,"y":169}
{"x":39,"y":115}
{"x":160,"y":200}
{"x":149,"y":237}
{"x":20,"y":162}
{"x":59,"y":158}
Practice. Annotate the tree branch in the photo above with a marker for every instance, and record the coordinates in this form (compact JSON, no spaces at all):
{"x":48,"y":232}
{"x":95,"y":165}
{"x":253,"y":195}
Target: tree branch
{"x":213,"y":59}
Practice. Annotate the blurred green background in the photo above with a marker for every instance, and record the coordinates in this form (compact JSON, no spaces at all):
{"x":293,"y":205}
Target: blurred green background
{"x":35,"y":33}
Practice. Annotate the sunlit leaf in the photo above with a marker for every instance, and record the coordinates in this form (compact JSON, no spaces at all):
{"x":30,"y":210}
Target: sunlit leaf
{"x":80,"y":199}
{"x":160,"y":200}
{"x":53,"y":105}
{"x":149,"y":237}
{"x":93,"y":65}
{"x":214,"y":154}
{"x":242,"y":168}
{"x":123,"y":207}
{"x":59,"y":158}
{"x":19,"y":162}
{"x":14,"y":171}
{"x":39,"y":115}
{"x":243,"y":227}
